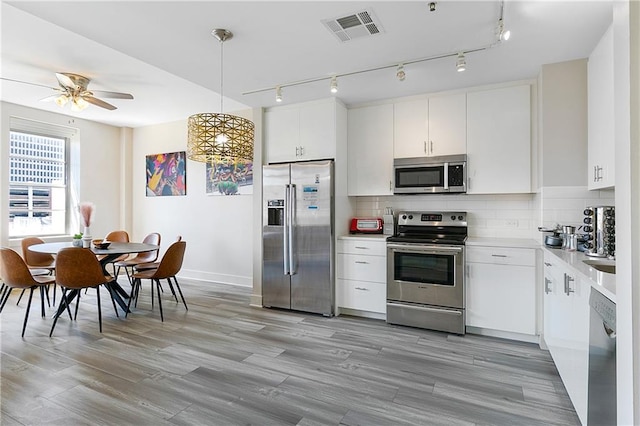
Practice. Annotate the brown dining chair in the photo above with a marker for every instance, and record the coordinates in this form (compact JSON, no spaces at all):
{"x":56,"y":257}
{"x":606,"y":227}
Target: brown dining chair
{"x":169,"y":266}
{"x":15,"y":274}
{"x":140,"y":258}
{"x":37,"y":262}
{"x":78,"y":268}
{"x":151,"y":265}
{"x":116,"y":237}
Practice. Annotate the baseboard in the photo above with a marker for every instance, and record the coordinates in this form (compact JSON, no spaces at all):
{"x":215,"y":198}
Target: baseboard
{"x":218,"y":278}
{"x":359,"y":313}
{"x":504,"y":334}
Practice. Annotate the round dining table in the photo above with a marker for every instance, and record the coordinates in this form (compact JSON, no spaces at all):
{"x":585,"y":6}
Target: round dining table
{"x":107,"y":255}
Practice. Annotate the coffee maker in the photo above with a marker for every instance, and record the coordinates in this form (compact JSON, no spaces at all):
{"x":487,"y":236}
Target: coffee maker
{"x":600,"y":230}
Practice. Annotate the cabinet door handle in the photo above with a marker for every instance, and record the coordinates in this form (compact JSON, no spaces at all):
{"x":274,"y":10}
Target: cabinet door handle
{"x":425,"y":146}
{"x":547,"y":290}
{"x":362,"y":288}
{"x":547,"y":264}
{"x":301,"y":150}
{"x":566,"y":284}
{"x":569,"y":289}
{"x":362,"y":248}
{"x":431,"y":147}
{"x":297,"y":151}
{"x":499,"y":255}
{"x":361,"y":262}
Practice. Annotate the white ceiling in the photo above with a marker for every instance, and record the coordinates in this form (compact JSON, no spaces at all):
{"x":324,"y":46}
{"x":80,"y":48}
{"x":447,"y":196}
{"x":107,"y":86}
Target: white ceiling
{"x":163,"y":52}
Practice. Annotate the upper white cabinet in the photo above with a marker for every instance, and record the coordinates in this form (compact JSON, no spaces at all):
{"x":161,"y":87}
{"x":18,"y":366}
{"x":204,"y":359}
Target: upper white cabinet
{"x":601,"y":153}
{"x":301,"y":132}
{"x":499,"y":140}
{"x":430,"y":127}
{"x":370,"y":150}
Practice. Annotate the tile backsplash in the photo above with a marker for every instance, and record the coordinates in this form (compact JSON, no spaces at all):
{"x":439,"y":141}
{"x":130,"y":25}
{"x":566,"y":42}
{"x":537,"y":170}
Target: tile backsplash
{"x":499,"y":216}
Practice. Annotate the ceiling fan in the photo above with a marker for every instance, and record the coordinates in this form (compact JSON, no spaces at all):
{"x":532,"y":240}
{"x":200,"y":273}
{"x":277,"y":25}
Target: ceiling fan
{"x":73,"y":88}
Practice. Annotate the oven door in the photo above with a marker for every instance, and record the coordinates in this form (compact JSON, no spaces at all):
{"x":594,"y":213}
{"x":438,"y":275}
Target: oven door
{"x":426,"y":274}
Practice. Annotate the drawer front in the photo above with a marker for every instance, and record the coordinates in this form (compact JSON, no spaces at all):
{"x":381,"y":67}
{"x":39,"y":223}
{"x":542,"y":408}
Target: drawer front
{"x":502,"y":256}
{"x":371,"y":248}
{"x":362,"y":268}
{"x":361,"y":295}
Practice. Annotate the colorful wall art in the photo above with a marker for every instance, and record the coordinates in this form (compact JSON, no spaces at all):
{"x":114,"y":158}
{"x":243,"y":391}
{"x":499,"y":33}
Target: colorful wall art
{"x":166,"y":174}
{"x":228,"y":177}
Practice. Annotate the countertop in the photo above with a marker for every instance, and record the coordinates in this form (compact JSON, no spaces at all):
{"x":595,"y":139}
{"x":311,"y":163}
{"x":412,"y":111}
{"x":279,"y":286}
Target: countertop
{"x":381,"y":237}
{"x":503,"y":242}
{"x":601,"y":281}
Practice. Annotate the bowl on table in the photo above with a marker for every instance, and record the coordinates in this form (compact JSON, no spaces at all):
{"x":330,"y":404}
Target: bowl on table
{"x":101,"y":244}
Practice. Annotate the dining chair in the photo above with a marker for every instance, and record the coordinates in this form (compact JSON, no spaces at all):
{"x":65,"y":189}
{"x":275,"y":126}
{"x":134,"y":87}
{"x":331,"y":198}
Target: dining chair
{"x":151,"y":265}
{"x":15,"y":274}
{"x":140,"y":258}
{"x":169,"y":266}
{"x":37,"y":262}
{"x":78,"y":268}
{"x":116,"y":237}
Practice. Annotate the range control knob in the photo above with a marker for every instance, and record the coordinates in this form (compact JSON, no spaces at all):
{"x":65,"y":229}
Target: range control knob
{"x":587,"y":220}
{"x":587,"y":228}
{"x":453,"y":217}
{"x":404,"y":217}
{"x":588,"y":245}
{"x":460,"y":217}
{"x":588,"y":212}
{"x":410,"y":217}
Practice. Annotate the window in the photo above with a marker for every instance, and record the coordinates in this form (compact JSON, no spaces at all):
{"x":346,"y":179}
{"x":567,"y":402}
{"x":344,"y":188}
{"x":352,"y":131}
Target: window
{"x":37,"y":184}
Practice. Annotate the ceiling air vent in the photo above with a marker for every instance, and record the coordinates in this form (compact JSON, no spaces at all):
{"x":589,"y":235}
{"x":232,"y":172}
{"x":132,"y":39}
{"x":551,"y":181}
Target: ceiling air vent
{"x":360,"y":24}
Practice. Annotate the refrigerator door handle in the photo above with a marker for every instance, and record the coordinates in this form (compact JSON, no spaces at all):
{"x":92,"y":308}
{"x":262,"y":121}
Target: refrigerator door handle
{"x":285,"y":235}
{"x":291,"y":231}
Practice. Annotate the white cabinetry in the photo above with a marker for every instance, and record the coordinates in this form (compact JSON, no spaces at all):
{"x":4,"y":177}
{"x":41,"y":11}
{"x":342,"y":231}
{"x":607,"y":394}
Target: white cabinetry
{"x":499,"y":140}
{"x":370,"y":150}
{"x":361,"y":275}
{"x":501,"y":289}
{"x":566,"y":328}
{"x":301,"y":132}
{"x":601,"y":158}
{"x":430,"y":127}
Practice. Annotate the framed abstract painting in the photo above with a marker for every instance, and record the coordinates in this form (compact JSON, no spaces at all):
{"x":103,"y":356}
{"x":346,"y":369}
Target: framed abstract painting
{"x":229,"y":177}
{"x":166,"y":174}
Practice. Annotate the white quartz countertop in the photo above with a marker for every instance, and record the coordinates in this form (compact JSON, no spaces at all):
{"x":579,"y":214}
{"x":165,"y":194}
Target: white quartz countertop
{"x":503,"y":242}
{"x":369,"y":237}
{"x":603,"y":282}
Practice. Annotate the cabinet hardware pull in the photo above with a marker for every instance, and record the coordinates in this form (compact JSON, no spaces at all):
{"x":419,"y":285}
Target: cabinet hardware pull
{"x":425,"y":146}
{"x":499,"y":255}
{"x":361,"y":262}
{"x":431,"y":147}
{"x":362,"y":288}
{"x":595,"y":173}
{"x":362,"y":248}
{"x":297,"y":151}
{"x":566,"y":284}
{"x":546,"y":285}
{"x":390,"y":186}
{"x":301,"y":150}
{"x":547,"y":264}
{"x":569,"y":289}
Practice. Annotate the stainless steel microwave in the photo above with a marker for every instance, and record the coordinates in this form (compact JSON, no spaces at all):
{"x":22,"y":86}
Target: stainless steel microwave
{"x":425,"y":175}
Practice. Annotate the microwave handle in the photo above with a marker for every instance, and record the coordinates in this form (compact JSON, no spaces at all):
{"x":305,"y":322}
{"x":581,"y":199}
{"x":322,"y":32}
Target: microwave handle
{"x":446,"y":175}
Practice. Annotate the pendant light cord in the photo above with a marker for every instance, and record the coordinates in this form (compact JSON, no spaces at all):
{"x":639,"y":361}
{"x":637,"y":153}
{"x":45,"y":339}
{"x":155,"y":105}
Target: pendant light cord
{"x":221,"y":76}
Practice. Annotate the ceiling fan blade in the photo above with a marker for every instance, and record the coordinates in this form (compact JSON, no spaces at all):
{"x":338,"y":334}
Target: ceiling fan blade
{"x":113,"y":95}
{"x":65,"y":81}
{"x":26,"y":82}
{"x":99,"y":102}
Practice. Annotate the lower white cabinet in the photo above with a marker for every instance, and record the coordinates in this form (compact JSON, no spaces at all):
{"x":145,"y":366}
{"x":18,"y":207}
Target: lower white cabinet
{"x":361,"y":275}
{"x":566,"y":328}
{"x":501,"y":289}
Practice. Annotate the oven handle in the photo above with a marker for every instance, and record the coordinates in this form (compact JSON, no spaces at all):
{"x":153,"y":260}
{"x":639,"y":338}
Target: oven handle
{"x":425,"y":308}
{"x":430,"y":249}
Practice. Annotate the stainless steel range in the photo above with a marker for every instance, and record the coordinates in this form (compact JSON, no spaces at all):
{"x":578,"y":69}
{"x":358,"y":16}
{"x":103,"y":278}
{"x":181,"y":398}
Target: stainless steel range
{"x":425,"y":271}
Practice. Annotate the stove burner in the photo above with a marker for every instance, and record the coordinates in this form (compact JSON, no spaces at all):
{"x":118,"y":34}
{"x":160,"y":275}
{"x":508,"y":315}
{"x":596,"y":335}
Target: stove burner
{"x":431,"y":228}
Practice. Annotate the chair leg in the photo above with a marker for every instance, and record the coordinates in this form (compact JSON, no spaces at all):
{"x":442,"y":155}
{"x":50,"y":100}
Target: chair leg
{"x":113,"y":301}
{"x":5,"y":296}
{"x":99,"y":308}
{"x":43,"y":291}
{"x":158,"y":286}
{"x":159,"y":300}
{"x":131,"y":296}
{"x":75,"y":317}
{"x":20,"y":297}
{"x":172,"y":290}
{"x":26,"y":315}
{"x":180,"y":291}
{"x":63,"y":299}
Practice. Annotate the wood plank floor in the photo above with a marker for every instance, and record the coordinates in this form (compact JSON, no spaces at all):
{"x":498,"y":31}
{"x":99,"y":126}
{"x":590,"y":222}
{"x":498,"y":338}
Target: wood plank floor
{"x":225,"y":363}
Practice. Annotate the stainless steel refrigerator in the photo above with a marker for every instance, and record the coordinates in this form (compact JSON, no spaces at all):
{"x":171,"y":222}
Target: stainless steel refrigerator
{"x":297,"y":235}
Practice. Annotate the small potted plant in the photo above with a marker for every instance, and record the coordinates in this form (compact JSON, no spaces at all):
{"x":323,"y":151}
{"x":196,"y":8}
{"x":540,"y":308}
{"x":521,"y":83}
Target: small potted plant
{"x":77,"y":240}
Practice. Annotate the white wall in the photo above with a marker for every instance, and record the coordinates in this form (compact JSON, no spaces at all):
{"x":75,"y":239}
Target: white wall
{"x":218,"y":229}
{"x":96,"y":162}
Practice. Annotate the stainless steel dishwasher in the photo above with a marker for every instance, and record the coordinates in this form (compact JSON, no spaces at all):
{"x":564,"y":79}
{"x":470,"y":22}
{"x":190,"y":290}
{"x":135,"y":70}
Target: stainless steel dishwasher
{"x":602,"y":360}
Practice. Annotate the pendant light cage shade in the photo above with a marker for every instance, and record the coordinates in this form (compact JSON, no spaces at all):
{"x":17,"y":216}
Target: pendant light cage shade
{"x":215,"y":136}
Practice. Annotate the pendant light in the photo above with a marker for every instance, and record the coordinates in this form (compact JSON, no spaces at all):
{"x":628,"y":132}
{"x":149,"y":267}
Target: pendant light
{"x":218,"y":136}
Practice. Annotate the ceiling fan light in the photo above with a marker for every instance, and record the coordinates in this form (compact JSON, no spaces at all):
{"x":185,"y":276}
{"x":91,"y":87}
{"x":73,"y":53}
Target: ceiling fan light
{"x":62,"y":100}
{"x":78,"y":104}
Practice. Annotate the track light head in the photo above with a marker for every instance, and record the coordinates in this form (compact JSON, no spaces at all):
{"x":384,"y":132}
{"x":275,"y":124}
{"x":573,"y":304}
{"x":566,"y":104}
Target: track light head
{"x":334,"y":84}
{"x":432,"y":6}
{"x":400,"y":74}
{"x":278,"y":94}
{"x":461,"y":63}
{"x":503,"y":35}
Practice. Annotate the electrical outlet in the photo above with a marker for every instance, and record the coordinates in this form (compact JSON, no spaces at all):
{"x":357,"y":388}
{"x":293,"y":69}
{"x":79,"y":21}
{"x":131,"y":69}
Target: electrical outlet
{"x":511,"y":223}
